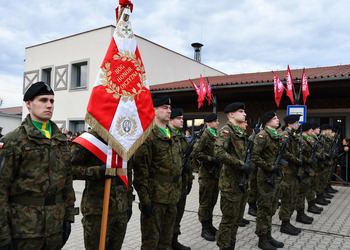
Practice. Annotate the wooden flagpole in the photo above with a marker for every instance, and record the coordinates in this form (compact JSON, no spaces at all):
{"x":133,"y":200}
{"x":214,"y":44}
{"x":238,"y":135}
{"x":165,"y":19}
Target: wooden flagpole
{"x":105,"y":214}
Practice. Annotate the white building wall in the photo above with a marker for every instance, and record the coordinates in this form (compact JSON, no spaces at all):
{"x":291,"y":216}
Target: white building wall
{"x":9,"y":122}
{"x":162,"y":66}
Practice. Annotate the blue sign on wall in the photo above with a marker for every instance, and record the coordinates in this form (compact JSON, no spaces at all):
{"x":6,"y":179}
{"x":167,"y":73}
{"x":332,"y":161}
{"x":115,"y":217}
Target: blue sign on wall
{"x":297,"y":110}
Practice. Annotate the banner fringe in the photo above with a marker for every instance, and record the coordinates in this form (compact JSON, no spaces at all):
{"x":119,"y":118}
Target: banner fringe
{"x":104,"y":133}
{"x":111,"y":171}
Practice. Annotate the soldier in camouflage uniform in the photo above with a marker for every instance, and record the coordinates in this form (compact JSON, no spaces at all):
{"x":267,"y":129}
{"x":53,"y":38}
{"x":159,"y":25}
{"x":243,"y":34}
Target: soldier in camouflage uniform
{"x":306,"y":181}
{"x":315,"y":170}
{"x":86,"y":166}
{"x":158,"y":180}
{"x":176,"y":124}
{"x":230,"y":150}
{"x":290,"y":183}
{"x":265,"y":152}
{"x":208,"y":176}
{"x":36,"y":192}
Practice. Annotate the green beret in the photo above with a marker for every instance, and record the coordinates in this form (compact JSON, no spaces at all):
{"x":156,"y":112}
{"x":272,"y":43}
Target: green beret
{"x":268,"y":116}
{"x":36,"y":89}
{"x":211,"y":117}
{"x":291,"y":118}
{"x":176,"y":112}
{"x":161,"y":100}
{"x":234,"y":107}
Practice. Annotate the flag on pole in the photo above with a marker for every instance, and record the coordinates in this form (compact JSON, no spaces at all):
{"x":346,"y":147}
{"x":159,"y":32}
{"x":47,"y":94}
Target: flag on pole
{"x":120,"y":108}
{"x":195,"y":87}
{"x":290,"y":86}
{"x":209,"y":92}
{"x":305,"y":87}
{"x":278,"y":88}
{"x":202,"y":92}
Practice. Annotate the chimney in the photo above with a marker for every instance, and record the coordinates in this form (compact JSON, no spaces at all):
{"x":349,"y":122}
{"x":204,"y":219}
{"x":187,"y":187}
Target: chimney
{"x":197,"y":51}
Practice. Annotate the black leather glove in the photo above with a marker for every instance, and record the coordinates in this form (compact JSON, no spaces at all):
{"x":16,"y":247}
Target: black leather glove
{"x":66,"y":231}
{"x":189,"y":187}
{"x":147,"y":210}
{"x":129,"y":212}
{"x":276,"y":170}
{"x":215,"y":161}
{"x":8,"y":246}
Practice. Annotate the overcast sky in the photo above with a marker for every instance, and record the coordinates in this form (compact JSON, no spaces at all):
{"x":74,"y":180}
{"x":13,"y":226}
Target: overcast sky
{"x":238,"y":36}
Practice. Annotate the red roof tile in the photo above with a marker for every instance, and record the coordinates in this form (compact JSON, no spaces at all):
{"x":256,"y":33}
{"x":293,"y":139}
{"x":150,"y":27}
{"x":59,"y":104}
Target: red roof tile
{"x":12,"y":110}
{"x":311,"y":73}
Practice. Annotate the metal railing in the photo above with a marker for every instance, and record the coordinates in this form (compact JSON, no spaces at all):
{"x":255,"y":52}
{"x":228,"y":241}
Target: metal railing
{"x":342,"y":181}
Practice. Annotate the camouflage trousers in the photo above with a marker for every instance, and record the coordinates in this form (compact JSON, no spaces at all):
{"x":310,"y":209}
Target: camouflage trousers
{"x":157,"y":230}
{"x":231,"y":206}
{"x":208,"y":196}
{"x":324,"y":178}
{"x":268,"y":197}
{"x":116,"y":229}
{"x":253,"y":187}
{"x":52,"y":242}
{"x":304,"y":191}
{"x":243,"y":203}
{"x":180,"y":208}
{"x":320,"y":179}
{"x":289,"y":194}
{"x":311,"y":194}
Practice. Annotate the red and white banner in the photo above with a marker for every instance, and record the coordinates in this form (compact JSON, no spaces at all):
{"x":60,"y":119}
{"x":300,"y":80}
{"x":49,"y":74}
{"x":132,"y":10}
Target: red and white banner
{"x":105,"y":153}
{"x":120,"y":108}
{"x":304,"y":87}
{"x":195,"y":86}
{"x":278,"y":88}
{"x":290,"y":86}
{"x":202,"y":92}
{"x":209,"y":92}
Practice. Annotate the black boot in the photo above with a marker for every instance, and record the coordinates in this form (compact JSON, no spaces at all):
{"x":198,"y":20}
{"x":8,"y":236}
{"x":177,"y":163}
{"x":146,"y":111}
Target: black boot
{"x":312,"y":208}
{"x":206,"y":233}
{"x":324,"y":199}
{"x":241,"y":223}
{"x":253,"y":209}
{"x":295,"y":228}
{"x":327,"y":195}
{"x":331,"y":190}
{"x":265,"y":244}
{"x":303,"y":218}
{"x":317,"y":207}
{"x":213,"y":230}
{"x":274,"y":242}
{"x":245,"y":221}
{"x":287,"y":229}
{"x":319,"y":200}
{"x":177,"y":245}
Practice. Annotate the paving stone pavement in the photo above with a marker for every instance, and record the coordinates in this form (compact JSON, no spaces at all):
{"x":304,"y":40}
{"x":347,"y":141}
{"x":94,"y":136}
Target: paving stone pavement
{"x":329,"y":231}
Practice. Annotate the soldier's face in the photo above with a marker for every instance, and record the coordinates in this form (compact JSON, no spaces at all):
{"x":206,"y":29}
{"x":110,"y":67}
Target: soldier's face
{"x":273,"y":123}
{"x":243,"y":125}
{"x":316,"y":131}
{"x":239,"y":116}
{"x":41,"y":108}
{"x":177,"y":122}
{"x":213,"y":124}
{"x":162,"y":113}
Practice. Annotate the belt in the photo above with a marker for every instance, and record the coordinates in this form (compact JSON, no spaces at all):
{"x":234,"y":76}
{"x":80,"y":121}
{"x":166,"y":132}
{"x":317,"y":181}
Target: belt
{"x":160,"y":177}
{"x":37,"y":201}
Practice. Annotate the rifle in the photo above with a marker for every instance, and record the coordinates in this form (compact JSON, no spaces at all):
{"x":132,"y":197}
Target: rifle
{"x":312,"y":158}
{"x":248,"y":156}
{"x":300,"y":174}
{"x":189,"y":150}
{"x":277,"y":164}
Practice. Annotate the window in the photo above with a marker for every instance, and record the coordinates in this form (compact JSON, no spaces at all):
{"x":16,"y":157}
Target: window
{"x":46,"y":76}
{"x":76,"y":126}
{"x":79,"y":75}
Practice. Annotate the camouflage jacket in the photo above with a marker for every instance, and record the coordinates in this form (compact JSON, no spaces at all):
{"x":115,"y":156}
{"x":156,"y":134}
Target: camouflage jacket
{"x":328,"y":159}
{"x":187,"y":176}
{"x":230,"y":150}
{"x":306,"y":154}
{"x":203,"y":150}
{"x":157,"y":168}
{"x":318,"y":154}
{"x":291,"y":154}
{"x":36,"y":192}
{"x":86,"y":167}
{"x":265,"y":151}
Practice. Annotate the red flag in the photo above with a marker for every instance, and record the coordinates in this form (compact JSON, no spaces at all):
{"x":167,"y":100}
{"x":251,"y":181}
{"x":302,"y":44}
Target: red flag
{"x":278,"y":88}
{"x":290,"y":86}
{"x":202,"y":93}
{"x":304,"y":87}
{"x":120,"y":108}
{"x":209,"y":92}
{"x":195,"y":87}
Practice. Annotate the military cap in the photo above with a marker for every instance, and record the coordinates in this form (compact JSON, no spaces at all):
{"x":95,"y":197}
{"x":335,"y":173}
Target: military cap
{"x":234,"y":107}
{"x":291,"y":118}
{"x":211,"y":117}
{"x":306,"y":126}
{"x":268,"y":116}
{"x":325,"y":127}
{"x":176,"y":112}
{"x":161,"y":100}
{"x":315,"y":125}
{"x":36,"y":89}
